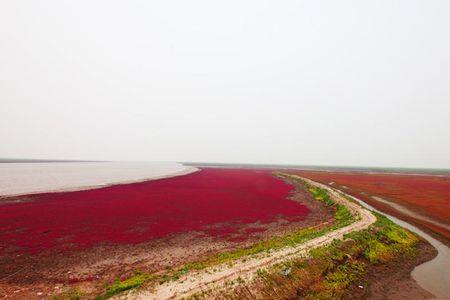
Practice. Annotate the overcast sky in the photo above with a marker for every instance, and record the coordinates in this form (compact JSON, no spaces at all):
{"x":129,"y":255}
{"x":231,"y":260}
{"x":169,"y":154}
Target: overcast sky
{"x":360,"y":83}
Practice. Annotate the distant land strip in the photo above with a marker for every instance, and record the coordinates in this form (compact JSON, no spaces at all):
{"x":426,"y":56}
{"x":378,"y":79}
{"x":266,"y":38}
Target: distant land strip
{"x":31,"y":160}
{"x":425,"y":171}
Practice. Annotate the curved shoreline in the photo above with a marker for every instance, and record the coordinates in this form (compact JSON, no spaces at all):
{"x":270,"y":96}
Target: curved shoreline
{"x":174,"y":169}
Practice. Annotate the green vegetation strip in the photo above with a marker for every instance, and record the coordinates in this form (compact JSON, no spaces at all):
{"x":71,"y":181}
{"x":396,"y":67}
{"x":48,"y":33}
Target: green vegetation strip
{"x":335,"y":271}
{"x":342,"y":218}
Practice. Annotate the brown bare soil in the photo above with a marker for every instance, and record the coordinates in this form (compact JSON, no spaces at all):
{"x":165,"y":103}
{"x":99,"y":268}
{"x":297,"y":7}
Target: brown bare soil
{"x":393,"y":280}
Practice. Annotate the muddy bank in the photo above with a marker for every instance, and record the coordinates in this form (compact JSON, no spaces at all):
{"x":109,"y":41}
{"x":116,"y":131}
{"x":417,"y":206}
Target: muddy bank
{"x":394,"y":281}
{"x":431,"y":275}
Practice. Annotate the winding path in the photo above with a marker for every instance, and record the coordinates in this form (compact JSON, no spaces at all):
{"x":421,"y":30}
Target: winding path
{"x":218,"y":275}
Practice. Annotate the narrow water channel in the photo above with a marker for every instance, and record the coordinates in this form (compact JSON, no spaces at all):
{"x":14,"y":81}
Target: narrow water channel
{"x":433,"y":275}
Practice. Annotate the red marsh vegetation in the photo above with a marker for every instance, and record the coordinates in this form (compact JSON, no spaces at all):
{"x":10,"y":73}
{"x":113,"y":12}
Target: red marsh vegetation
{"x":425,"y":195}
{"x":214,"y":201}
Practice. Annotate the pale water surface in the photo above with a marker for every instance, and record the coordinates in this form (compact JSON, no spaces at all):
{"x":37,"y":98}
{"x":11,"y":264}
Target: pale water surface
{"x":29,"y":178}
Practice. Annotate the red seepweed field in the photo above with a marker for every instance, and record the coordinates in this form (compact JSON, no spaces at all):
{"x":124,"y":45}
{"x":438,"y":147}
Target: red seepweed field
{"x":427,"y":195}
{"x":214,"y":201}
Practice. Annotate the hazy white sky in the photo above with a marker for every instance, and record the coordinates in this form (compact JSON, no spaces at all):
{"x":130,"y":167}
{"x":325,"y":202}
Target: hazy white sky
{"x":299,"y":82}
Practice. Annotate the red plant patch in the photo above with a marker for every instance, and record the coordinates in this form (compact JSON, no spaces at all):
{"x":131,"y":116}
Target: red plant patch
{"x":429,"y":195}
{"x":214,"y":201}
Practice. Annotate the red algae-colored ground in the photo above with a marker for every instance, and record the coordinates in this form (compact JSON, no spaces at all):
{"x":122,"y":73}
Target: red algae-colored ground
{"x":213,"y":200}
{"x":426,"y":195}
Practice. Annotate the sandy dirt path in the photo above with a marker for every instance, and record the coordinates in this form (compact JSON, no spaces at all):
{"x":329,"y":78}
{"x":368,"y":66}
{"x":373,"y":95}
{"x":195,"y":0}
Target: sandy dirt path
{"x":218,"y":275}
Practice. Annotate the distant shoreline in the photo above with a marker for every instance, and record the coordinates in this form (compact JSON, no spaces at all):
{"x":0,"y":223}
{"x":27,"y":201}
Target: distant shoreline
{"x":31,"y":160}
{"x":386,"y":170}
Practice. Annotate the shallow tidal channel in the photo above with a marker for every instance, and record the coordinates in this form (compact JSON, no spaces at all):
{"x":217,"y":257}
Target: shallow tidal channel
{"x":432,"y":275}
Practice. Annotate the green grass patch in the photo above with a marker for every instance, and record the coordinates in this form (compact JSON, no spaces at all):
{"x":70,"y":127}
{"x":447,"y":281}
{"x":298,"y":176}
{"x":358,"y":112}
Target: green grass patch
{"x":385,"y":240}
{"x":337,"y":270}
{"x":72,"y":294}
{"x":124,"y":285}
